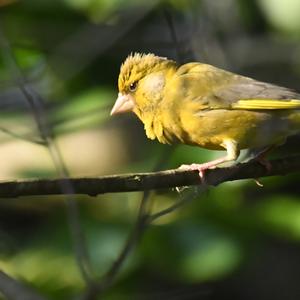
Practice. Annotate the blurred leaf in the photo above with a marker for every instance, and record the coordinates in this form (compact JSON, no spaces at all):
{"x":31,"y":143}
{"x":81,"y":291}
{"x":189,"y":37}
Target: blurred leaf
{"x":88,"y":109}
{"x":211,"y":259}
{"x":281,"y":215}
{"x":284,"y":15}
{"x":200,"y":251}
{"x":98,"y":10}
{"x":27,"y":58}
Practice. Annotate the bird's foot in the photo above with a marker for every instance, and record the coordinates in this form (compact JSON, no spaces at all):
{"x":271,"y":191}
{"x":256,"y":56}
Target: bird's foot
{"x":201,"y":168}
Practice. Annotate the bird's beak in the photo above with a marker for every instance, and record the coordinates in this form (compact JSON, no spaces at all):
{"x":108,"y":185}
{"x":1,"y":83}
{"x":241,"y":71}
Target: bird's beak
{"x":123,"y":104}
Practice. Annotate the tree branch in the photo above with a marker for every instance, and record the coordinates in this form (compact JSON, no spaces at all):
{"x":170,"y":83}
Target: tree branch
{"x":148,"y":181}
{"x":13,"y":289}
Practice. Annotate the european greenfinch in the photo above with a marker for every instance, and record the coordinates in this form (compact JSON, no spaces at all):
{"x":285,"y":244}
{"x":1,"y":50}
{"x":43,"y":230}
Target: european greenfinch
{"x":199,"y":104}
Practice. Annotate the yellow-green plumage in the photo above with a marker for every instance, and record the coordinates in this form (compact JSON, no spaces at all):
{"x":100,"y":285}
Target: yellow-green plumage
{"x":202,"y":105}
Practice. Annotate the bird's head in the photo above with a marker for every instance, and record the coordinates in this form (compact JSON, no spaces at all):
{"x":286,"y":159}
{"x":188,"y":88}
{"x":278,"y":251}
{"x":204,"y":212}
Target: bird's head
{"x":140,"y":80}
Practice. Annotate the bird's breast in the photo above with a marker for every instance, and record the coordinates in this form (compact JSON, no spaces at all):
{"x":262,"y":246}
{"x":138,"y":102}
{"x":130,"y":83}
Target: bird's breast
{"x":163,"y":126}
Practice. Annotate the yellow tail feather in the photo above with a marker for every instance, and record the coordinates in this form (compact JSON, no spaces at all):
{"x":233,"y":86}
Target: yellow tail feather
{"x":253,"y":104}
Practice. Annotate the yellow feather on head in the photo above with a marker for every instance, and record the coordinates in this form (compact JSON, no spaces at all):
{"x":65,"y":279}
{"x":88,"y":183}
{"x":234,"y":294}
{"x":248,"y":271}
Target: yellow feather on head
{"x":138,"y":65}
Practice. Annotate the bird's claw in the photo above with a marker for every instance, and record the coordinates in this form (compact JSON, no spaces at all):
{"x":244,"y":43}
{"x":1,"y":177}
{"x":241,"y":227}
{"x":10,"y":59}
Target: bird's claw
{"x":201,"y":168}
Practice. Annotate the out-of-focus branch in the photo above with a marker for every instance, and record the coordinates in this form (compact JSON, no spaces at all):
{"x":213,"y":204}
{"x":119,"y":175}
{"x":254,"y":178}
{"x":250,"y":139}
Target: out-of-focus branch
{"x":20,"y":137}
{"x":148,"y":181}
{"x":96,"y":291}
{"x":13,"y":289}
{"x":36,"y":104}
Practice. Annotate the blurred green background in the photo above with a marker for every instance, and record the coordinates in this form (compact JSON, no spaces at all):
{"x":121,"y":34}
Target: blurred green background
{"x":234,"y":241}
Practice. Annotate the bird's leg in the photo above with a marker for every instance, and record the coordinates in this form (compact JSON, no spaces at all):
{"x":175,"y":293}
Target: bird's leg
{"x":232,"y":154}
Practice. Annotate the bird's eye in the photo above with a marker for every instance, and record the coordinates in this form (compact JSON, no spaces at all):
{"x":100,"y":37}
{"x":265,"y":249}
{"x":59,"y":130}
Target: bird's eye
{"x":133,"y":86}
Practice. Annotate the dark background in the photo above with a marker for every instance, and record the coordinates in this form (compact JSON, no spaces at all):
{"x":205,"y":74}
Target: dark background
{"x":234,"y":241}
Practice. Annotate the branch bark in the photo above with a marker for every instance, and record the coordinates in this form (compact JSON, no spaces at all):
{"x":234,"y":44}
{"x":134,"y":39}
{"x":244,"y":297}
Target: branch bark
{"x":147,"y":181}
{"x":13,"y":289}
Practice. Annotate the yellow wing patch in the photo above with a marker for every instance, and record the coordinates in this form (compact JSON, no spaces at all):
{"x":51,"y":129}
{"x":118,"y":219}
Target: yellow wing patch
{"x":271,"y":104}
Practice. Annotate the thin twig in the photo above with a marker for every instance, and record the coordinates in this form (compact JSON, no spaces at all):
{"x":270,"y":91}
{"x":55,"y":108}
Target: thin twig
{"x":21,"y":137}
{"x":106,"y":281}
{"x":183,"y":200}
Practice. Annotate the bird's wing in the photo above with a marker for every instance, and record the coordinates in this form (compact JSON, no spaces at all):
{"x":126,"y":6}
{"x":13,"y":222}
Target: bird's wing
{"x":216,"y":88}
{"x":246,"y":93}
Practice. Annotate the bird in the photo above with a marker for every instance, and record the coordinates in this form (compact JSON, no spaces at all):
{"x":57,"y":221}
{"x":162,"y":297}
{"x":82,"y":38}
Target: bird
{"x":202,"y":105}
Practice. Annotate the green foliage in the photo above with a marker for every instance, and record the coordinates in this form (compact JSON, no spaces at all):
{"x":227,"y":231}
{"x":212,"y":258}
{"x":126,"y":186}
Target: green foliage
{"x":284,"y":17}
{"x":70,"y":52}
{"x":200,"y":251}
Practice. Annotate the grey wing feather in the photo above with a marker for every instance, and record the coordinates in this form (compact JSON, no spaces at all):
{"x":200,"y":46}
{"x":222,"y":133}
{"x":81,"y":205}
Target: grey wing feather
{"x":247,"y":88}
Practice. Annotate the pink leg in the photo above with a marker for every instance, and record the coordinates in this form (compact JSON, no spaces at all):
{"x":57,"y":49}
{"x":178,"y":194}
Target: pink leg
{"x":232,"y":154}
{"x":202,"y":167}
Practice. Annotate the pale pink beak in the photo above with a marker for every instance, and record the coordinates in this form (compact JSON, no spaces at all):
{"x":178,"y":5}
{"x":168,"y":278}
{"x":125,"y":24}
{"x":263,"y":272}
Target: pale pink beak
{"x":123,"y":104}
